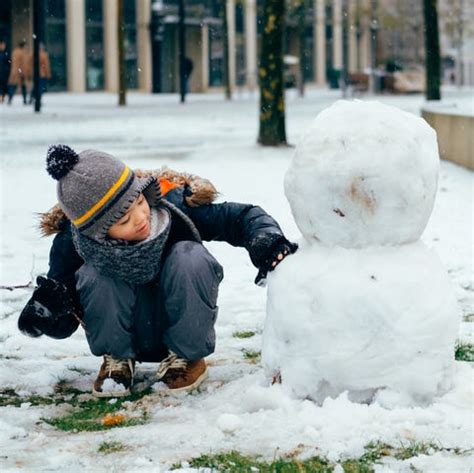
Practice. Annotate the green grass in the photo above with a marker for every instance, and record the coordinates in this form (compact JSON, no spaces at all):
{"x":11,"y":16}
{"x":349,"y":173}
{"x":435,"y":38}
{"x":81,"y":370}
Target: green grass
{"x":374,"y":452}
{"x":251,"y":355}
{"x":87,"y":415}
{"x":234,"y":462}
{"x":413,"y":449}
{"x":8,"y":397}
{"x":111,"y":447}
{"x":243,"y":334}
{"x":464,"y":352}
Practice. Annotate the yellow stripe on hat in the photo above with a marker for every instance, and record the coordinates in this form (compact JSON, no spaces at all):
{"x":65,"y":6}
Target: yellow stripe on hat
{"x":90,"y":213}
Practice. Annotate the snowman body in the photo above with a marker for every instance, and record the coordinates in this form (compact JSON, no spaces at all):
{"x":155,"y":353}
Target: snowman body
{"x":363,"y":306}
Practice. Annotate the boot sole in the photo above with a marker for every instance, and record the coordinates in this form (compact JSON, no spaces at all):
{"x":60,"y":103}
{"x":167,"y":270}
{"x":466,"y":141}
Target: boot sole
{"x":111,"y":393}
{"x":190,"y":387}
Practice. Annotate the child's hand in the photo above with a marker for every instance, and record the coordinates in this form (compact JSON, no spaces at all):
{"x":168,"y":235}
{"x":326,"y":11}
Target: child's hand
{"x":281,"y":253}
{"x":274,"y":256}
{"x":51,"y":311}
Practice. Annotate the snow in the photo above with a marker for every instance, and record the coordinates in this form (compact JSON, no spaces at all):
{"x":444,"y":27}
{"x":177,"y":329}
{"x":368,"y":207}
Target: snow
{"x":364,"y":173}
{"x":110,"y":386}
{"x":361,"y":320}
{"x":215,"y":139}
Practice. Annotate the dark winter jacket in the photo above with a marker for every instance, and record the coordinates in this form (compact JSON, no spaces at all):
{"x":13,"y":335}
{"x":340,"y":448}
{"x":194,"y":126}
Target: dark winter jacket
{"x":243,"y":225}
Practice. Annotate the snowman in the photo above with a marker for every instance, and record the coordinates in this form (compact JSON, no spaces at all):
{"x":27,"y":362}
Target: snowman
{"x":364,"y":306}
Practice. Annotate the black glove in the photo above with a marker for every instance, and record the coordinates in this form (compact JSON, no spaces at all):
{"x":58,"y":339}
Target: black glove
{"x":264,"y":254}
{"x":52,"y":310}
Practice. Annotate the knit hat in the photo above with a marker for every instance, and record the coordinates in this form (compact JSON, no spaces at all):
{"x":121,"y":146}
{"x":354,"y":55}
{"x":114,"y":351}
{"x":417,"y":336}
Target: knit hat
{"x":95,"y":189}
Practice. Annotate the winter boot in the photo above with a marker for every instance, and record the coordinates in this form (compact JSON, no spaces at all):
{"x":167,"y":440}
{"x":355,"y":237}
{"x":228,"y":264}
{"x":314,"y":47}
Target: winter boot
{"x":115,"y":378}
{"x":181,"y":375}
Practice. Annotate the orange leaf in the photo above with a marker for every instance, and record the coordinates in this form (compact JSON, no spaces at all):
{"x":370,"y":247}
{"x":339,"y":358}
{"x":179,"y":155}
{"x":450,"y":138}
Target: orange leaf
{"x":112,"y":419}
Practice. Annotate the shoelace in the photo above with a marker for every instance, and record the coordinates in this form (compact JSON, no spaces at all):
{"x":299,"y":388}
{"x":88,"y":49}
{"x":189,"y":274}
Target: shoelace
{"x":111,"y":364}
{"x":171,"y":361}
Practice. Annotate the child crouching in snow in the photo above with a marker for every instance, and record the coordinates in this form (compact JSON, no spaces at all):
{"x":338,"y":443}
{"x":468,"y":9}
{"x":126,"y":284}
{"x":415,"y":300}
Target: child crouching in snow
{"x":129,"y":264}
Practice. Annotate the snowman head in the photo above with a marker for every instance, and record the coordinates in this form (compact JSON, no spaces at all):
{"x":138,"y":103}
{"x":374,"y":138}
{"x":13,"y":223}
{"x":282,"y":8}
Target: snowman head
{"x":363,"y":174}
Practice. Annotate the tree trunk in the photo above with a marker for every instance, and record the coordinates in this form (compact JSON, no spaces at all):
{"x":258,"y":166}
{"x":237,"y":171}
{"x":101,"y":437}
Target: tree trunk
{"x":432,"y":55}
{"x":272,"y":92}
{"x":121,"y":54}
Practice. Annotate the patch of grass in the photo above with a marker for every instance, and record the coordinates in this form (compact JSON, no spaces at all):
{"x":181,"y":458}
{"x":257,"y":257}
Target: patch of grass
{"x":468,"y":317}
{"x":244,"y":334}
{"x":234,"y":462}
{"x":374,"y":452}
{"x":413,"y":449}
{"x":62,"y":388}
{"x":251,"y":355}
{"x":111,"y":447}
{"x":87,"y":415}
{"x":8,"y":397}
{"x":464,"y":352}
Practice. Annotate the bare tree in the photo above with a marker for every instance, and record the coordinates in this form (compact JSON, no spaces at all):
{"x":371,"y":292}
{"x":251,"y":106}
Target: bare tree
{"x":402,"y":25}
{"x":432,"y":54}
{"x":272,"y":93}
{"x":456,"y":24}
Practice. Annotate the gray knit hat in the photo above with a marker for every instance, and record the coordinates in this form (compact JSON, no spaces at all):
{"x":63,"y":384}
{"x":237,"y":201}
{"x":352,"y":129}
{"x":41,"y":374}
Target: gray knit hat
{"x":95,"y":189}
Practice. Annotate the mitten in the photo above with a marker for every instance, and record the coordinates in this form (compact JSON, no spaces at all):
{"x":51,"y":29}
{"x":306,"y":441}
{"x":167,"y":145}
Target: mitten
{"x":52,"y":310}
{"x":264,"y":250}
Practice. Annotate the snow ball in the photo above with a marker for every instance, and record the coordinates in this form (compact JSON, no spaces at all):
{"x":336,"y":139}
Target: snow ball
{"x":229,"y":423}
{"x":110,"y":385}
{"x":363,"y":174}
{"x":379,"y":323}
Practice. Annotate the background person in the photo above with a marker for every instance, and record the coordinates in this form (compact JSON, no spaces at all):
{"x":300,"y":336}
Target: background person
{"x":44,"y":69}
{"x":17,"y":72}
{"x":4,"y":69}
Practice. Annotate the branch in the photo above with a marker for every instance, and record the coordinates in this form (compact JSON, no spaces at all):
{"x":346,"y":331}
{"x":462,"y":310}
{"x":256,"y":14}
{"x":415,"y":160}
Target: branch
{"x":20,"y":286}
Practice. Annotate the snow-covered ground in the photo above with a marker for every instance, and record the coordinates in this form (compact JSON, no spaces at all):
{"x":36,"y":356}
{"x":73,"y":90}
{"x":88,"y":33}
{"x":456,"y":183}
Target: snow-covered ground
{"x":235,"y":410}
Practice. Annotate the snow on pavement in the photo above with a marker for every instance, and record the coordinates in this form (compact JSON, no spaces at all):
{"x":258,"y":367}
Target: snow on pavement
{"x":236,"y":410}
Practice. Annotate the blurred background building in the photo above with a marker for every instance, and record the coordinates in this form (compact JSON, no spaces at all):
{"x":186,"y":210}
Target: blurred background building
{"x":334,"y":39}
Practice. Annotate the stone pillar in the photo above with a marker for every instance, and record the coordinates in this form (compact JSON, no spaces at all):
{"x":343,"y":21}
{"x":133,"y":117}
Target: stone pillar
{"x":205,"y":57}
{"x":337,"y":34}
{"x":76,"y":45}
{"x":365,"y":56}
{"x":320,"y":41}
{"x":251,"y":44}
{"x":111,"y":45}
{"x":352,"y":35}
{"x":143,"y":9}
{"x":231,"y":38}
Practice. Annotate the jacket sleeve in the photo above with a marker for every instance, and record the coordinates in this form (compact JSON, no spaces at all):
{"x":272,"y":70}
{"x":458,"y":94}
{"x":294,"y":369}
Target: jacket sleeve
{"x":64,"y":260}
{"x":243,"y":225}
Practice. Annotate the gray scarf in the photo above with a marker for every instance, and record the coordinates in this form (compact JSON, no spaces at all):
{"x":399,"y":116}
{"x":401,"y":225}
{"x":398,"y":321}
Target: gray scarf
{"x":136,"y":263}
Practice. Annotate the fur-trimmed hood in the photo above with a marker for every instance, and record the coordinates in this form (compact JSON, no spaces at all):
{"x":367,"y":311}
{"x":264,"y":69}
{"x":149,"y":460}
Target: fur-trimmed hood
{"x":200,"y":192}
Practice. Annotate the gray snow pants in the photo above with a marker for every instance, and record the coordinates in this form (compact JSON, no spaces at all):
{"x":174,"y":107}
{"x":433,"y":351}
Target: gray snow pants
{"x":176,"y":312}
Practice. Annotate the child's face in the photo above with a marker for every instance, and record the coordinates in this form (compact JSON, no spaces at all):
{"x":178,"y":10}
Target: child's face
{"x":135,"y":224}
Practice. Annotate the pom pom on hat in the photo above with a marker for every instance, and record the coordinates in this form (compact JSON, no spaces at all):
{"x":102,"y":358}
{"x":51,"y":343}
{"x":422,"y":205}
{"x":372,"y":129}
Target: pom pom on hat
{"x":60,"y":159}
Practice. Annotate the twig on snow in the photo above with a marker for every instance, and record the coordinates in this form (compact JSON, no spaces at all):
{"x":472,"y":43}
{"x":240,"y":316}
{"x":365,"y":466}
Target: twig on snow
{"x":20,"y":286}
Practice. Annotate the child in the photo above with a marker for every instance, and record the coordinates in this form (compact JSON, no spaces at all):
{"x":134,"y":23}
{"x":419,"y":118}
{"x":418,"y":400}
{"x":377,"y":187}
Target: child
{"x":129,"y":262}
